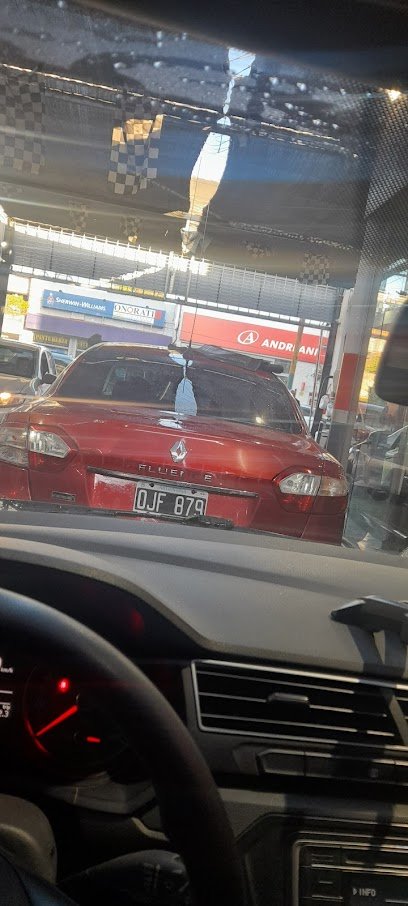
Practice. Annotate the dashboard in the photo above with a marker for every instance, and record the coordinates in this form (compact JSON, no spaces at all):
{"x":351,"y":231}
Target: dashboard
{"x":304,"y":721}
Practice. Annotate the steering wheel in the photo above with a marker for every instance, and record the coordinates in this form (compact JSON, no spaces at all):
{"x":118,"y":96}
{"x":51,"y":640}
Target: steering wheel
{"x":192,"y":812}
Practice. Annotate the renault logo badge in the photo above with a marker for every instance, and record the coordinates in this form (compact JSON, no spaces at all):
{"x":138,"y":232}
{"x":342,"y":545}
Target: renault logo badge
{"x":178,"y":451}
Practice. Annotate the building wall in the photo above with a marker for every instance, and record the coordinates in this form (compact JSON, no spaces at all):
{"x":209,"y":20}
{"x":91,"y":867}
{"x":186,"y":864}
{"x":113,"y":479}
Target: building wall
{"x":272,"y":340}
{"x":52,"y":320}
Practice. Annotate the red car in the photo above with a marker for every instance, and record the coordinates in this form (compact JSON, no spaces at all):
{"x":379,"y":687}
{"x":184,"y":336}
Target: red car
{"x":196,"y":435}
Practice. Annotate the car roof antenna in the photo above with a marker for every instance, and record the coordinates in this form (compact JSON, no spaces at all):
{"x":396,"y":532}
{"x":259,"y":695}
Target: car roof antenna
{"x":375,"y":615}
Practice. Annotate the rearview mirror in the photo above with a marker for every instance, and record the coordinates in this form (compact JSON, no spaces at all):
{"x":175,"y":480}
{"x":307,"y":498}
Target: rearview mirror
{"x":391,"y":382}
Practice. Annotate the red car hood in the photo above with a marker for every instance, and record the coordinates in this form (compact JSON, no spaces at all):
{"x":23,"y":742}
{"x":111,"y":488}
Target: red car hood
{"x":122,"y":437}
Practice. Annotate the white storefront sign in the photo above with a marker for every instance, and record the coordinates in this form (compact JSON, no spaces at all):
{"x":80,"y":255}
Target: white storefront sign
{"x":142,"y":315}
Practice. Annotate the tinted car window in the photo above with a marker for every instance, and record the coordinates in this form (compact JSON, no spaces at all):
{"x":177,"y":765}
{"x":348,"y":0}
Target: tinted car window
{"x":146,"y":381}
{"x":247,"y":400}
{"x":16,"y":362}
{"x":211,"y":391}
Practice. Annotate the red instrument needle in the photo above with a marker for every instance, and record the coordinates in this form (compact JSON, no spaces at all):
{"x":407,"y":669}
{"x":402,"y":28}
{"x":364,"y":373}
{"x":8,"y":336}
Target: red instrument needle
{"x":57,"y":720}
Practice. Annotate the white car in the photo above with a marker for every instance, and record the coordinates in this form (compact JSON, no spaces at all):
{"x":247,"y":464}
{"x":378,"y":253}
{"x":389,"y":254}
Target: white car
{"x":25,"y":370}
{"x":307,"y":415}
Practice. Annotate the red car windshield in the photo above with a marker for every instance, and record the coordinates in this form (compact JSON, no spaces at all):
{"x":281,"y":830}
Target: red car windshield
{"x":189,"y":389}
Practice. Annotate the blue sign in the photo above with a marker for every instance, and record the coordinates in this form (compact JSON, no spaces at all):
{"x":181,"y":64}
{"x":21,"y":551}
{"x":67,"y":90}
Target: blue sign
{"x":104,"y":308}
{"x":79,"y":305}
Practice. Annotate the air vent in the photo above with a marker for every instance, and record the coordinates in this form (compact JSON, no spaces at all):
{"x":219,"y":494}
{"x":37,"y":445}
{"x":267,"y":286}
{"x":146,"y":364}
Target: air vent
{"x":291,"y":705}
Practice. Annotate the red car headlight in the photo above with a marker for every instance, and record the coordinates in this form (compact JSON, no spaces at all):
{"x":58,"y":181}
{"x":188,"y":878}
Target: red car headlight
{"x":302,"y":492}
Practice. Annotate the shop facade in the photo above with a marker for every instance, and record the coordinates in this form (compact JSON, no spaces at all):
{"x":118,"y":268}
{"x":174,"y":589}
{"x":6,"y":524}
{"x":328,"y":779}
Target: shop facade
{"x":65,"y":317}
{"x":273,"y":340}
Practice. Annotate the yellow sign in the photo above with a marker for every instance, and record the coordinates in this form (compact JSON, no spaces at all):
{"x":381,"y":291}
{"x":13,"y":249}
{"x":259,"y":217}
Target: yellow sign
{"x":50,"y":339}
{"x":56,"y":339}
{"x":16,"y":305}
{"x":137,"y":291}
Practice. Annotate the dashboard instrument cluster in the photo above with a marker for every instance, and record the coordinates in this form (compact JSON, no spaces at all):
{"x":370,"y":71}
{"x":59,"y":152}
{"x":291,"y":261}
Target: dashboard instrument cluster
{"x":61,"y":722}
{"x":66,"y":721}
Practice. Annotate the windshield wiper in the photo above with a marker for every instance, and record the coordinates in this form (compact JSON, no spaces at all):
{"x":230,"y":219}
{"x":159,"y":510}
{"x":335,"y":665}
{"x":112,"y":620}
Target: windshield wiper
{"x":74,"y":509}
{"x":213,"y":521}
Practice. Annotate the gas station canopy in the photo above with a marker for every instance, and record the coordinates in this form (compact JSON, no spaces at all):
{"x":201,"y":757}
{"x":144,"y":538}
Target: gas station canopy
{"x":302,"y":145}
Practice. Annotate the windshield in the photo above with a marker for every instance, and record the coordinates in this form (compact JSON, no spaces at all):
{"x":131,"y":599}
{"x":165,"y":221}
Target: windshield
{"x":17,"y":362}
{"x":203,"y":252}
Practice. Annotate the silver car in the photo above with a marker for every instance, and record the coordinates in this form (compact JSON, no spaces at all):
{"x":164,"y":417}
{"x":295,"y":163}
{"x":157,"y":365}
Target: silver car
{"x":25,"y":369}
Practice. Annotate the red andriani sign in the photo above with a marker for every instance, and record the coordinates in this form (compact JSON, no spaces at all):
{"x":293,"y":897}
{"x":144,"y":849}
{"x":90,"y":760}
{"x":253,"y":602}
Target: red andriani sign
{"x":254,"y":338}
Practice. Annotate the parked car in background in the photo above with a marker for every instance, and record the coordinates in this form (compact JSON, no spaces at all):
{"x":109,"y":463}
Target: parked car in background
{"x":365,"y":458}
{"x":165,"y":434}
{"x":307,"y":414}
{"x":378,"y":470}
{"x":369,"y":418}
{"x":62,"y":360}
{"x":380,"y":463}
{"x":25,"y":370}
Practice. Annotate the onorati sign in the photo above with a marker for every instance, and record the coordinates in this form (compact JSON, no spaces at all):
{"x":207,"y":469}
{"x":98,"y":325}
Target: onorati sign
{"x":142,"y":314}
{"x":103,"y":308}
{"x":253,"y":339}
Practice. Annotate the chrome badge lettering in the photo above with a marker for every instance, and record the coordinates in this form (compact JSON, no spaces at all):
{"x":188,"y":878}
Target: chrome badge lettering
{"x":169,"y":472}
{"x":160,"y":470}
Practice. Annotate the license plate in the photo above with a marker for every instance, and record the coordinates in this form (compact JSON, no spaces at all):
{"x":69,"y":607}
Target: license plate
{"x":169,"y":500}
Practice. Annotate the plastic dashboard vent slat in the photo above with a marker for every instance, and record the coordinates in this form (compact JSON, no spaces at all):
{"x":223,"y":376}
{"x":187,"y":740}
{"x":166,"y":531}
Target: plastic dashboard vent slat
{"x":402,"y":699}
{"x":291,"y":705}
